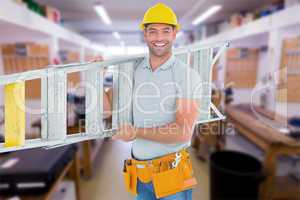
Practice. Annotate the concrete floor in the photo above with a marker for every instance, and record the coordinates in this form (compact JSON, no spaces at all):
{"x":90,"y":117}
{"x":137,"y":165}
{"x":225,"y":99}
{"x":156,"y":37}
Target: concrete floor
{"x":107,"y":181}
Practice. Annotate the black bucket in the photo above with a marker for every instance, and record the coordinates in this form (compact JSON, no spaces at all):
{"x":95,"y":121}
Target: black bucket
{"x":234,"y":176}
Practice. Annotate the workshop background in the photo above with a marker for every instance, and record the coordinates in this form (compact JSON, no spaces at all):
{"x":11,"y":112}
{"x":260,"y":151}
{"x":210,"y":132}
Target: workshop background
{"x":256,"y":86}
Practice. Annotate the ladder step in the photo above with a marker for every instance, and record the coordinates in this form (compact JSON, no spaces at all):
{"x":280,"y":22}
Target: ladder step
{"x":126,"y":71}
{"x":115,"y":100}
{"x":14,"y":103}
{"x":94,"y":102}
{"x":57,"y":105}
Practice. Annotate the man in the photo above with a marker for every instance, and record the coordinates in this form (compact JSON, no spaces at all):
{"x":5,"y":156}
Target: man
{"x":164,"y":113}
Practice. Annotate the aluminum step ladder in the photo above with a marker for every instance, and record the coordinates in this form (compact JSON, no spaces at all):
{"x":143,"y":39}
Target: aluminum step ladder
{"x":54,"y":97}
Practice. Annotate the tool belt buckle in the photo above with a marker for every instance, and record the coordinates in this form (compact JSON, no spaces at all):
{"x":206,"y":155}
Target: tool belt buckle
{"x":141,"y":166}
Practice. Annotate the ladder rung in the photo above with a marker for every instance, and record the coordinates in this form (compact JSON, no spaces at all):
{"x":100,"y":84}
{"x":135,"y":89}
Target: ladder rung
{"x":125,"y":92}
{"x":203,"y":59}
{"x":57,"y":105}
{"x":115,"y":100}
{"x":44,"y":106}
{"x":94,"y":102}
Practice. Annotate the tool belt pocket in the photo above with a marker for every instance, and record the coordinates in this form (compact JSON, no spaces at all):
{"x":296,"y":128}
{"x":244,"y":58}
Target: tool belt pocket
{"x":126,"y":177}
{"x":168,"y":182}
{"x":130,"y":177}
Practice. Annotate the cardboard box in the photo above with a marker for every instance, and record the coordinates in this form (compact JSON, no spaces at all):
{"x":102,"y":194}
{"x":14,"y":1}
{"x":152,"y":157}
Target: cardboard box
{"x":291,"y":3}
{"x":33,"y":89}
{"x":241,"y":67}
{"x":8,"y":49}
{"x":10,"y":64}
{"x":25,"y":49}
{"x":242,"y":53}
{"x":42,"y":63}
{"x":20,"y":64}
{"x":232,"y":53}
{"x":37,"y":50}
{"x":290,"y":55}
{"x":73,"y":57}
{"x":52,"y":14}
{"x":236,"y":20}
{"x":20,"y":2}
{"x":289,"y":91}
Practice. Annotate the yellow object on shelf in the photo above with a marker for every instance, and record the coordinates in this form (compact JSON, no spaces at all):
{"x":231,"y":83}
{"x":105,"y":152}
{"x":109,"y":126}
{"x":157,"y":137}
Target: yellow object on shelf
{"x":14,"y":127}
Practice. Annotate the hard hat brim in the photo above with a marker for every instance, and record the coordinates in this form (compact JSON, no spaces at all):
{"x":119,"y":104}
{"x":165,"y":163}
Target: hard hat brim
{"x":142,"y":25}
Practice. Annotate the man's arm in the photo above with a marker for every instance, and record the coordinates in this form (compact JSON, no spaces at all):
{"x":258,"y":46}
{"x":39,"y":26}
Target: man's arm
{"x":180,"y":130}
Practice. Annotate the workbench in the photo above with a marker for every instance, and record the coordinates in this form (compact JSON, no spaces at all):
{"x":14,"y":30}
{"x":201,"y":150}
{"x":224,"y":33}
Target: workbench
{"x":88,"y":150}
{"x":72,"y":170}
{"x":249,"y":122}
{"x":209,"y":137}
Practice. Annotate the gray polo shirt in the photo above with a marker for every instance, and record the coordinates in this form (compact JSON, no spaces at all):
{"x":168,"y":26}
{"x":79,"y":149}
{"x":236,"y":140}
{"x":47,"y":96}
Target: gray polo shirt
{"x":154,"y":101}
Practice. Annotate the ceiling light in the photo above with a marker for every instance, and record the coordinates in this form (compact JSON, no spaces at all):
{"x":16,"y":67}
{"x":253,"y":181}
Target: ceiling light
{"x":102,"y":13}
{"x":117,"y":35}
{"x":211,"y":11}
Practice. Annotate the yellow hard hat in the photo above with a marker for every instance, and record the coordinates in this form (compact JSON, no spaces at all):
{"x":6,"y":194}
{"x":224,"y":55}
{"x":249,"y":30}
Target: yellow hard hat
{"x":160,"y":13}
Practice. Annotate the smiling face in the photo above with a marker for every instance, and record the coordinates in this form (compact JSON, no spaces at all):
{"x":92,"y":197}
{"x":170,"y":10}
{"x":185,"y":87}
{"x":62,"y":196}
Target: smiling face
{"x":159,"y":38}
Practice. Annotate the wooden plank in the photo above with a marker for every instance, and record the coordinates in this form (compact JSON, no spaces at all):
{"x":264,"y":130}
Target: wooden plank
{"x":274,"y":145}
{"x":86,"y":159}
{"x":75,"y":175}
{"x":256,"y":128}
{"x":291,"y":189}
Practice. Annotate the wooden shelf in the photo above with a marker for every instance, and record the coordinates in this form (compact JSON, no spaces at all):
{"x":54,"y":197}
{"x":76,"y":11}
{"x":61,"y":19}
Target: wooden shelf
{"x":287,"y":18}
{"x":20,"y":23}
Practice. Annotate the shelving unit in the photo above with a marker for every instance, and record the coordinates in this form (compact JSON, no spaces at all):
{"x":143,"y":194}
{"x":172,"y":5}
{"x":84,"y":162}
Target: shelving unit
{"x":282,"y":20}
{"x":267,"y":32}
{"x":20,"y":25}
{"x":15,"y":16}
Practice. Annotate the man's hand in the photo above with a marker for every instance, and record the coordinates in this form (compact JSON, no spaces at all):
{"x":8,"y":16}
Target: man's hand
{"x":126,"y":132}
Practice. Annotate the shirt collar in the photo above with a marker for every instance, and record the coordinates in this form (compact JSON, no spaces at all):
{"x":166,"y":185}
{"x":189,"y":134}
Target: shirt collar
{"x":169,"y":63}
